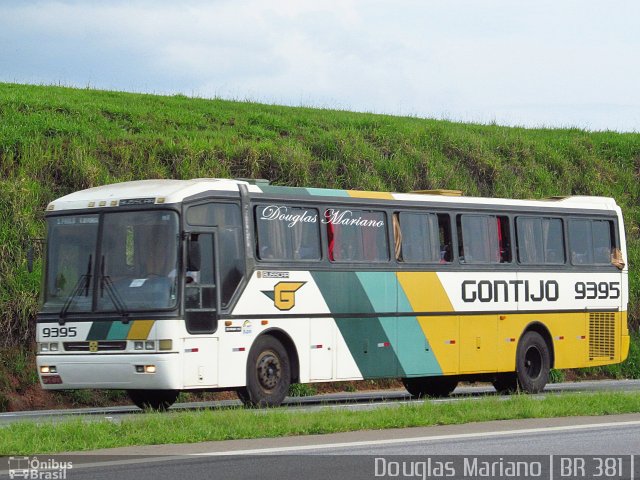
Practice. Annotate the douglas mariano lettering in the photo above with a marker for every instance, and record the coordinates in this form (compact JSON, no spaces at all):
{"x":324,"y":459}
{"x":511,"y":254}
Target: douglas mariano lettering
{"x":346,"y":217}
{"x":281,"y":213}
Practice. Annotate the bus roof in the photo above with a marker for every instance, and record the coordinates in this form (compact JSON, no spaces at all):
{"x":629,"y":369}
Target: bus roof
{"x":175,"y":191}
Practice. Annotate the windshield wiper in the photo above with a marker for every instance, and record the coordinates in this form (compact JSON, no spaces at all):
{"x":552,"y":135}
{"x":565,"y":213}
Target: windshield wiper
{"x":83,"y":282}
{"x":116,"y":299}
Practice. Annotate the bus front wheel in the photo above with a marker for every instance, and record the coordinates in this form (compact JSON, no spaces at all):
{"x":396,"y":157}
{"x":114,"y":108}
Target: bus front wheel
{"x":430,"y":386}
{"x":533,"y":362}
{"x":159,"y":400}
{"x":268,"y":374}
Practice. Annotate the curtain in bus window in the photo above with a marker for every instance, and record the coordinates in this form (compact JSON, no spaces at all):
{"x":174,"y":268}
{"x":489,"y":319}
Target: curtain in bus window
{"x":580,"y":241}
{"x":357,"y":235}
{"x":540,"y":240}
{"x":286,"y":233}
{"x":553,"y":241}
{"x":330,"y":235}
{"x":529,"y":233}
{"x":397,"y":237}
{"x":601,"y":230}
{"x":480,"y":239}
{"x":420,"y":242}
{"x":371,"y":248}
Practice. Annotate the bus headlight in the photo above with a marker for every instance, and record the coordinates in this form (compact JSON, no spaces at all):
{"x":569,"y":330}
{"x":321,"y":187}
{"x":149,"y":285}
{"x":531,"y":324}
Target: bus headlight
{"x":149,"y":345}
{"x":47,"y":347}
{"x":165,"y":344}
{"x":138,"y":345}
{"x":145,"y":368}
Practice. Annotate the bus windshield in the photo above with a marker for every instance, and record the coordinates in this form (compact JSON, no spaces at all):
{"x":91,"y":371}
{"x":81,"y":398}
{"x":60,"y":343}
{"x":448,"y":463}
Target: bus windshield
{"x":128,"y":264}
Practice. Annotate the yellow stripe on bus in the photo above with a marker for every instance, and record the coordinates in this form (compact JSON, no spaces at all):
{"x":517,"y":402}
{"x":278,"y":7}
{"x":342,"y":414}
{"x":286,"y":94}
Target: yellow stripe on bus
{"x":425,"y":292}
{"x":366,"y":194}
{"x":140,"y":329}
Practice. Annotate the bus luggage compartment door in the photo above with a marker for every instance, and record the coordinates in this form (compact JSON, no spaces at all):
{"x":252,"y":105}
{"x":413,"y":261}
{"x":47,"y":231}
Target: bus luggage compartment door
{"x":321,"y":339}
{"x":478,"y":343}
{"x":200,"y":362}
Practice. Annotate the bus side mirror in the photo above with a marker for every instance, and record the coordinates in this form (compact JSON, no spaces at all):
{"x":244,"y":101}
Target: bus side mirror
{"x":193,"y":254}
{"x":30,"y":259}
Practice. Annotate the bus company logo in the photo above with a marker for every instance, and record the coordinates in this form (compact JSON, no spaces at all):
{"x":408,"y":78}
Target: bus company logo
{"x":93,"y":346}
{"x":34,"y":468}
{"x":267,"y":274}
{"x":284,"y":294}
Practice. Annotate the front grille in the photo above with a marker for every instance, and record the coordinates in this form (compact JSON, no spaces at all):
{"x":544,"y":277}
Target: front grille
{"x":103,"y":346}
{"x":602,"y":331}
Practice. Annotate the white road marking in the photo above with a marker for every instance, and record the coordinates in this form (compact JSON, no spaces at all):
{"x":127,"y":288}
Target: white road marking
{"x":258,"y":451}
{"x":392,"y":441}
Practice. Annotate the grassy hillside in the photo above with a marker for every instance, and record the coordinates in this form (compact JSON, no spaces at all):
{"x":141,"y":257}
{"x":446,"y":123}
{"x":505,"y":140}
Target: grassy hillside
{"x":56,"y":140}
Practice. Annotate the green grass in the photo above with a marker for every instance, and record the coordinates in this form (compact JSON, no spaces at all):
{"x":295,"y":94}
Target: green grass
{"x":57,"y":140}
{"x":29,"y":438}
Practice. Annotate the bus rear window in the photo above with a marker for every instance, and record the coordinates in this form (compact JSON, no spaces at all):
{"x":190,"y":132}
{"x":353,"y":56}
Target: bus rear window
{"x":356,"y":235}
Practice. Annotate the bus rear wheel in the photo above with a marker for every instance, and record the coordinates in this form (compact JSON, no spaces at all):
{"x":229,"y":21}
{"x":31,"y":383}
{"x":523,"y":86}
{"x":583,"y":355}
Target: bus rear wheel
{"x":533,"y":362}
{"x":430,"y":386}
{"x":159,"y":400}
{"x":268,"y":374}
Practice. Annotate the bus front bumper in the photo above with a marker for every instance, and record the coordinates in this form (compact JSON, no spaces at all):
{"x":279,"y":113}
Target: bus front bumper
{"x":624,"y":348}
{"x":133,"y":371}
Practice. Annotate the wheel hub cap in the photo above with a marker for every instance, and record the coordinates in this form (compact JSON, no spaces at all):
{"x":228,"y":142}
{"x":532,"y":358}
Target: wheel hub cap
{"x":533,"y":362}
{"x":269,"y":370}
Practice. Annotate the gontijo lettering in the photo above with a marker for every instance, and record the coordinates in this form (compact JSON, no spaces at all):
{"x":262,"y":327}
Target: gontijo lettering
{"x":510,"y":290}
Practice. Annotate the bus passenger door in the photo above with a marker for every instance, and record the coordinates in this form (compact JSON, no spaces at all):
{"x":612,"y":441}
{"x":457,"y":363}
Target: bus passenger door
{"x":201,"y":302}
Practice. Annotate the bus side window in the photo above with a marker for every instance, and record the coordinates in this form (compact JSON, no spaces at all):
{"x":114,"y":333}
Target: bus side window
{"x":540,"y":241}
{"x":356,"y":235}
{"x":422,"y":237}
{"x":225,"y":216}
{"x":592,"y":242}
{"x":484,"y":239}
{"x":285,"y":233}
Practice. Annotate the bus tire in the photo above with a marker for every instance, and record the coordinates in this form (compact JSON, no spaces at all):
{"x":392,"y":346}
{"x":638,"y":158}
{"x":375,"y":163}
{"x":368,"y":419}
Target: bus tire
{"x":268,"y":374}
{"x":159,"y":400}
{"x":430,"y":386}
{"x":506,"y":382}
{"x":533,"y":362}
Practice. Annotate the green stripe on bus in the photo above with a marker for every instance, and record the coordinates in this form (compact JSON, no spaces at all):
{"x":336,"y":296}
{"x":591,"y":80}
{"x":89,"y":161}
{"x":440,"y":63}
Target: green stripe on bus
{"x":279,"y":190}
{"x":411,"y":348}
{"x":321,"y":192}
{"x":327,"y":192}
{"x":119,"y":331}
{"x":99,"y":330}
{"x":415,"y":352}
{"x":365,"y":337}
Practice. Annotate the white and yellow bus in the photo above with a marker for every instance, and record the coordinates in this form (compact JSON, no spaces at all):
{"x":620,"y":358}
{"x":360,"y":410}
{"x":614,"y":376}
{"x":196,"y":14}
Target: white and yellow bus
{"x":161,"y":286}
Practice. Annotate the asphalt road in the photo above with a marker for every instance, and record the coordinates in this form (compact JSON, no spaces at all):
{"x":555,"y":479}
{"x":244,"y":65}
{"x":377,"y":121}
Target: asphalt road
{"x":360,"y":455}
{"x":355,"y":401}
